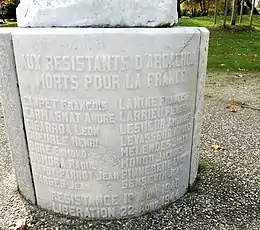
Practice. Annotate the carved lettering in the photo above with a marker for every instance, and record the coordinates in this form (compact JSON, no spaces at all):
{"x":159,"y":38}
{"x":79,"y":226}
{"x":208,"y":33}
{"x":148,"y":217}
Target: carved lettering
{"x":138,"y":103}
{"x":48,"y":138}
{"x":73,"y":185}
{"x":153,"y":113}
{"x":73,"y":199}
{"x":48,"y":127}
{"x":99,"y":118}
{"x":87,"y":96}
{"x":82,"y":142}
{"x":134,"y":81}
{"x":132,"y":169}
{"x":47,"y":160}
{"x":150,"y":206}
{"x":100,"y":63}
{"x":31,"y":62}
{"x":150,"y":148}
{"x":167,"y":78}
{"x":57,"y":150}
{"x":58,"y":81}
{"x":81,"y":165}
{"x":144,"y":138}
{"x":49,"y":181}
{"x":170,"y":60}
{"x":41,"y":103}
{"x":70,"y":174}
{"x":145,"y":126}
{"x":107,"y":176}
{"x":91,"y":212}
{"x":86,"y":130}
{"x":102,"y":82}
{"x":51,"y":116}
{"x":127,"y":210}
{"x":89,"y":105}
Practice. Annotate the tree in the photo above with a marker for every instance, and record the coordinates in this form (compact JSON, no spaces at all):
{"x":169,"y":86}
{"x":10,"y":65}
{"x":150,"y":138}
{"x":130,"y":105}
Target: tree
{"x":8,"y":9}
{"x":234,"y":13}
{"x":179,"y":2}
{"x":198,"y":7}
{"x":252,"y":12}
{"x":249,"y":4}
{"x":179,"y":8}
{"x":241,"y":11}
{"x":2,"y":11}
{"x":226,"y":12}
{"x":215,"y":12}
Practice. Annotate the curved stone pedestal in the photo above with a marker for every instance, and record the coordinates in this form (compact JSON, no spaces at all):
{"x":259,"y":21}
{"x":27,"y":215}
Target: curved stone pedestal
{"x":112,"y":116}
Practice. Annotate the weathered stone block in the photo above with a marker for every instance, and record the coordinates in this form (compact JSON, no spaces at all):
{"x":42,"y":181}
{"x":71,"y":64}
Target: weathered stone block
{"x":109,"y":116}
{"x":10,"y":99}
{"x":71,"y":13}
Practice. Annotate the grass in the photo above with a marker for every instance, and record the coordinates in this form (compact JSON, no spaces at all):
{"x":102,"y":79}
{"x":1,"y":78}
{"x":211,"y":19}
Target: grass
{"x":8,"y":23}
{"x":238,"y":103}
{"x":206,"y":166}
{"x":231,"y":49}
{"x":208,"y":21}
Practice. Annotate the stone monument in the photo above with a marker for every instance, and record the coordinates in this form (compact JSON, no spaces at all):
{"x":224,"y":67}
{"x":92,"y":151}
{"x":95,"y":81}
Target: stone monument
{"x":107,"y":119}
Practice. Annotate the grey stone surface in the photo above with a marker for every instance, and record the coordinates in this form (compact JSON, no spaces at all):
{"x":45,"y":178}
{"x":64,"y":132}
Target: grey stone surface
{"x":199,"y":108}
{"x":10,"y":99}
{"x":46,"y":13}
{"x":136,"y":157}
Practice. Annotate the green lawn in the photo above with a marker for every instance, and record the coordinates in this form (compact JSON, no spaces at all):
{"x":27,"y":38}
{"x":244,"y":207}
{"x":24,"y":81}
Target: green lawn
{"x":8,"y":23}
{"x":231,"y":49}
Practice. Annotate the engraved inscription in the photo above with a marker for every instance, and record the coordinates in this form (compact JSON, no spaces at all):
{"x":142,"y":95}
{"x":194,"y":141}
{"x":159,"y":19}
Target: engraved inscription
{"x":110,"y":72}
{"x":96,"y":122}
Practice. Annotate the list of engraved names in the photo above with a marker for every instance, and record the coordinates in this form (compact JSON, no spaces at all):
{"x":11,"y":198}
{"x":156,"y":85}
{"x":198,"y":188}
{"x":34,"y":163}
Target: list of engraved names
{"x":65,"y":134}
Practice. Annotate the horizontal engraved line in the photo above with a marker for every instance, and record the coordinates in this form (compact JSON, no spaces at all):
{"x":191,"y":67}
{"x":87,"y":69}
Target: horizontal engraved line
{"x":155,"y":107}
{"x":126,"y":118}
{"x":92,"y":176}
{"x":68,"y":141}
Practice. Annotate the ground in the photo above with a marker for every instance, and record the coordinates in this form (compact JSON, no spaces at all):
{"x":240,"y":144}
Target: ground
{"x":226,"y":194}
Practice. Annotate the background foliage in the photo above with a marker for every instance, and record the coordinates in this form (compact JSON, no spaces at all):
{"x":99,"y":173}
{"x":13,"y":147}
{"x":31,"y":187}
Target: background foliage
{"x":7,"y":9}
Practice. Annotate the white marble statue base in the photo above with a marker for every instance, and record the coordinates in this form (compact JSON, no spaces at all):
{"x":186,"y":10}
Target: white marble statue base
{"x":112,"y":116}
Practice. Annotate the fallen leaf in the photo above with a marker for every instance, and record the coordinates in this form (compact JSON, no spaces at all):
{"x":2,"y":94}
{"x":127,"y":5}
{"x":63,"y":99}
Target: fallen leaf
{"x":20,"y":224}
{"x":231,"y":108}
{"x":216,"y":147}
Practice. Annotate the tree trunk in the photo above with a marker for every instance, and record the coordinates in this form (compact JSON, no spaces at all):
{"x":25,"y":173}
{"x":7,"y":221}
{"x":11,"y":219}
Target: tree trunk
{"x":225,"y":13}
{"x":204,"y":8}
{"x":252,"y":13}
{"x":201,"y":6}
{"x":215,"y":12}
{"x":179,"y":8}
{"x":241,"y":11}
{"x":1,"y":13}
{"x":249,"y":4}
{"x":234,"y":13}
